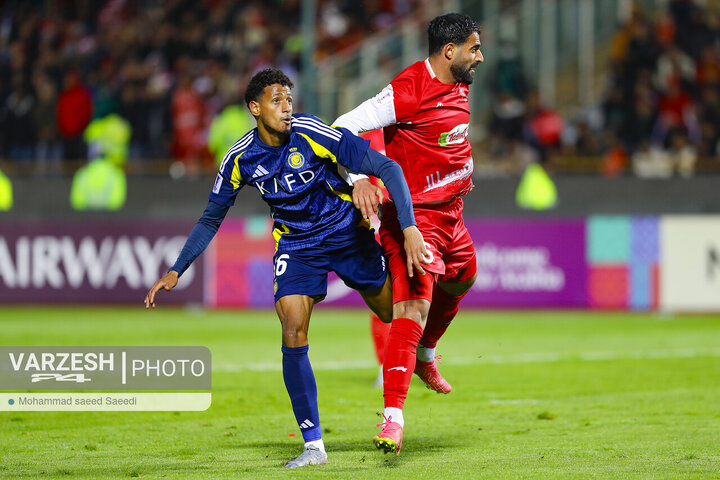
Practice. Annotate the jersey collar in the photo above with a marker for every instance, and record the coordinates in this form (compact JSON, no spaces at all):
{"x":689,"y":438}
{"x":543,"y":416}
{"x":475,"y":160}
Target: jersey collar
{"x":265,"y":146}
{"x":429,"y":68}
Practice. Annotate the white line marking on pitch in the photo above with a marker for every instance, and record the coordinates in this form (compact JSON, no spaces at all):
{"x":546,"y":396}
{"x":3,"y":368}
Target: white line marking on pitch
{"x":495,"y":359}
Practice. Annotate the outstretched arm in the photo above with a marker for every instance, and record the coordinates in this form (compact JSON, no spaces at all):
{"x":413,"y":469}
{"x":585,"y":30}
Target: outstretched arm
{"x":373,"y":113}
{"x":197,"y":242}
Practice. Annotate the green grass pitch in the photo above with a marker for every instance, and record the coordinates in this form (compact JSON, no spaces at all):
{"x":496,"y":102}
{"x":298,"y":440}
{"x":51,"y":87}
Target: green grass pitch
{"x":536,"y":395}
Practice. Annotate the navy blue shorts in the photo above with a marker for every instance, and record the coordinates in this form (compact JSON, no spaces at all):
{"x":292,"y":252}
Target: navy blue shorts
{"x":356,"y":257}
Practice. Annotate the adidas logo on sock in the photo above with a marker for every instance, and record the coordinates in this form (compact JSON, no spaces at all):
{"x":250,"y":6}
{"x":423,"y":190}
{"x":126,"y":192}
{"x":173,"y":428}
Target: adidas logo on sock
{"x":306,"y":424}
{"x":260,"y":171}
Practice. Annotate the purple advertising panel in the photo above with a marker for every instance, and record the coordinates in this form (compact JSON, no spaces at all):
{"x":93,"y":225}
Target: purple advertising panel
{"x":521,"y":263}
{"x":529,"y":263}
{"x":93,"y":262}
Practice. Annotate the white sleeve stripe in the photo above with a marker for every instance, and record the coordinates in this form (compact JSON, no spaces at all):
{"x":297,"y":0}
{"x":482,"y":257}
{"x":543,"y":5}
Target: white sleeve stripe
{"x":230,"y":153}
{"x":331,"y":134}
{"x":239,"y":145}
{"x":316,"y":123}
{"x":331,"y":137}
{"x":320,"y":126}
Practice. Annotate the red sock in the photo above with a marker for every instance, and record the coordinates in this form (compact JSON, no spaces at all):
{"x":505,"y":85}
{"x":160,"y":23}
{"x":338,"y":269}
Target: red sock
{"x":443,"y":309}
{"x":400,"y":360}
{"x":380,"y":331}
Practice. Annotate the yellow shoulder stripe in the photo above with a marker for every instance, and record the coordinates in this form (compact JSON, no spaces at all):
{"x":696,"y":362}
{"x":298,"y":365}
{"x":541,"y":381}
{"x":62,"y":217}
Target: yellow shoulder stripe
{"x":235,"y":177}
{"x":319,"y":150}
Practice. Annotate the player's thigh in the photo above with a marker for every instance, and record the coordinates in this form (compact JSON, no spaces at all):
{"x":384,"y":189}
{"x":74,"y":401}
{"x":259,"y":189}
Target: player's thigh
{"x":460,"y":263}
{"x":359,"y":262}
{"x":380,"y":300}
{"x":404,"y":287}
{"x":300,"y":273}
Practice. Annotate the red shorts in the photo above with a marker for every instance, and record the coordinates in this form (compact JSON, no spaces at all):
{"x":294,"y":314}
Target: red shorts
{"x":446,"y":238}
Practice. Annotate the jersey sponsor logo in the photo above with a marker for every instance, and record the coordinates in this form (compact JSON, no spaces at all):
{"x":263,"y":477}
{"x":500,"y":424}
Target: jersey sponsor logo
{"x":296,"y":160}
{"x":285,"y":183}
{"x":454,"y":136}
{"x":435,"y":181}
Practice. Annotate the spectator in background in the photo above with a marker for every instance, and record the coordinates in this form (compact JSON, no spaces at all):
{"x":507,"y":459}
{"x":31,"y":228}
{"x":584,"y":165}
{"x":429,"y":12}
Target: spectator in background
{"x":506,"y":124}
{"x":615,"y":158}
{"x":74,"y":111}
{"x":642,"y":48}
{"x":614,"y":110}
{"x":708,"y":67}
{"x":19,"y":122}
{"x":135,"y":108}
{"x":543,"y":127}
{"x":674,"y":65}
{"x":643,"y":118}
{"x":709,"y":122}
{"x":187,"y":122}
{"x":683,"y":155}
{"x":649,"y":161}
{"x":509,"y":76}
{"x":227,"y":128}
{"x":677,"y":111}
{"x":48,"y":151}
{"x":6,"y":192}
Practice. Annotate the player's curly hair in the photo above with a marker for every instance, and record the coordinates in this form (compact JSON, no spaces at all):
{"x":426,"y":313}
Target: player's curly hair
{"x":262,"y":79}
{"x":449,"y":28}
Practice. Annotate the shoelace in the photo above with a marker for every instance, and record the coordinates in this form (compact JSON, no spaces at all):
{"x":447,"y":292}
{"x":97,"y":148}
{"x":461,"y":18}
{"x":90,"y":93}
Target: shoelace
{"x":438,"y":358}
{"x":385,"y":423}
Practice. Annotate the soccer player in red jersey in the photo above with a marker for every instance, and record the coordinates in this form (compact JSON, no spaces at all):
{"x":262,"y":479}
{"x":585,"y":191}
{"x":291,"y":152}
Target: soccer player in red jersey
{"x":425,"y":115}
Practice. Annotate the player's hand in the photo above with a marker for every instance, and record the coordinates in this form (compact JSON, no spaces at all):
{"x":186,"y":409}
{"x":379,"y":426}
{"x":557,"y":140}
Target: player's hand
{"x":167,"y":283}
{"x":415,"y":251}
{"x":366,"y":197}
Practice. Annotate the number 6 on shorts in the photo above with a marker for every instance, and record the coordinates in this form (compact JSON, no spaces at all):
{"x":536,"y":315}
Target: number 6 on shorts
{"x":281,"y":264}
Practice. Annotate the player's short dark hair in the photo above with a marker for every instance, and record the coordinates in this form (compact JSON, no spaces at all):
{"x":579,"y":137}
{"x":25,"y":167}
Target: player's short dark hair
{"x":262,"y":79}
{"x":449,"y":28}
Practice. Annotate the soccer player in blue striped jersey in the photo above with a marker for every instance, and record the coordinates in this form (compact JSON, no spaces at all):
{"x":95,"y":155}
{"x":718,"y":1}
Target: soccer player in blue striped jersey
{"x":292,"y":160}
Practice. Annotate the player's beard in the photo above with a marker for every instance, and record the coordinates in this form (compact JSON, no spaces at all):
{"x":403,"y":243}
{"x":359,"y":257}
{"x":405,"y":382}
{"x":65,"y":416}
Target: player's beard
{"x":462,"y":74}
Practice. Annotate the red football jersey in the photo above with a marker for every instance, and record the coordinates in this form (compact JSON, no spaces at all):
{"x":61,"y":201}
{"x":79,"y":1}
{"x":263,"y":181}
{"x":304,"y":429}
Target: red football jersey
{"x":429,"y":140}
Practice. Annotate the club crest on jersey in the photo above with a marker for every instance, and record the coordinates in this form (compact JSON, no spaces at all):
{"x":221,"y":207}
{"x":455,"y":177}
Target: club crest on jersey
{"x":296,"y":160}
{"x":454,"y":136}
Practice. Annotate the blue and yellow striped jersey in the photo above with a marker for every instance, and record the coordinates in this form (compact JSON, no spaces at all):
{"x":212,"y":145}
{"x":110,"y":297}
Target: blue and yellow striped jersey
{"x":308,"y":199}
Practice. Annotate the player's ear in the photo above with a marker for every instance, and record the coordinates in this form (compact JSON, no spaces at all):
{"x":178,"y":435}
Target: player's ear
{"x":449,"y":50}
{"x":254,"y":108}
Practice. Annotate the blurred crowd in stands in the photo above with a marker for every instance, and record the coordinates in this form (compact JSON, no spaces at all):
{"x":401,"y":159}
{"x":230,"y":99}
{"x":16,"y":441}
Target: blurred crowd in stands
{"x":660,"y":110}
{"x":169,"y":67}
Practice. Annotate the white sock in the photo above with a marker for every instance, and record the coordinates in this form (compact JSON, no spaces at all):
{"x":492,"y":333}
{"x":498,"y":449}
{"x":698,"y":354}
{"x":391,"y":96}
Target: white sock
{"x":425,"y":354}
{"x":317,"y":444}
{"x":394,"y":415}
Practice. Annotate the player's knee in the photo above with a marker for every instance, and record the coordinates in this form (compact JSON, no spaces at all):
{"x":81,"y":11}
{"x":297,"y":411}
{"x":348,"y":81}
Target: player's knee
{"x":458,"y":288}
{"x":416,"y":310}
{"x":294,"y":335}
{"x":294,"y":331}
